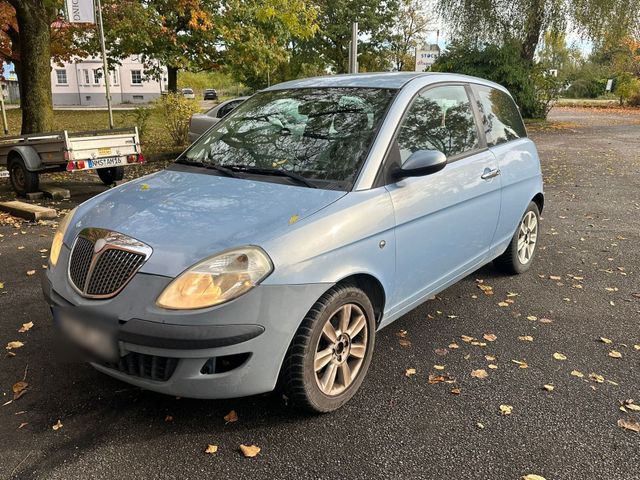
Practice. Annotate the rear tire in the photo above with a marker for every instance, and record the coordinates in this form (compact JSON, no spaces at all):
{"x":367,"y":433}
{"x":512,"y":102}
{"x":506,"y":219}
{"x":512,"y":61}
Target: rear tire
{"x":522,"y":250}
{"x":331,"y":351}
{"x":111,"y":174}
{"x":22,"y":180}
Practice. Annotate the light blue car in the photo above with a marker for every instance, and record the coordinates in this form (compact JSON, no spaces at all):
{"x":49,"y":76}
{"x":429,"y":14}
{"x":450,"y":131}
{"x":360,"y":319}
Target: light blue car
{"x":283,"y":239}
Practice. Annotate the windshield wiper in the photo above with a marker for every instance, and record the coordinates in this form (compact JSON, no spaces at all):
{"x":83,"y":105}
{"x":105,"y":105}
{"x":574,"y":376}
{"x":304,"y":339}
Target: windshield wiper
{"x":273,"y":171}
{"x":211,"y":166}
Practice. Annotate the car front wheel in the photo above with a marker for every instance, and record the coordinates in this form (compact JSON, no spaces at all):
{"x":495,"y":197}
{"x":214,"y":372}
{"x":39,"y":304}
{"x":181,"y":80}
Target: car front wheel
{"x":520,"y":253}
{"x":331,"y":351}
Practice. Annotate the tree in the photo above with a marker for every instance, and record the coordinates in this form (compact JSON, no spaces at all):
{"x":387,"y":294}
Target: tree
{"x":411,"y":26}
{"x":526,"y":20}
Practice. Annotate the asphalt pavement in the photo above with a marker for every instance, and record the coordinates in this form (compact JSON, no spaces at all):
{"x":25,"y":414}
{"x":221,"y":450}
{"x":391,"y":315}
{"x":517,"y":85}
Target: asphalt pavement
{"x":584,"y":285}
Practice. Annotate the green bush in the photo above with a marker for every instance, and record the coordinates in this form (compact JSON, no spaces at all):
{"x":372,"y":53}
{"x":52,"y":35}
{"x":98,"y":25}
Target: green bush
{"x":176,"y":112}
{"x":138,"y":117}
{"x":532,"y":90}
{"x":627,"y":89}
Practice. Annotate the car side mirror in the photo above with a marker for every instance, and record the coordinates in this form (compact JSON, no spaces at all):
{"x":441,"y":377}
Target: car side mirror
{"x":420,"y":163}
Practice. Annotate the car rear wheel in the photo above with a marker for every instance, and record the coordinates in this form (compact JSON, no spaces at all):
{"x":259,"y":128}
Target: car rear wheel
{"x":519,"y":255}
{"x":22,"y":180}
{"x":111,"y":174}
{"x":331,"y":352}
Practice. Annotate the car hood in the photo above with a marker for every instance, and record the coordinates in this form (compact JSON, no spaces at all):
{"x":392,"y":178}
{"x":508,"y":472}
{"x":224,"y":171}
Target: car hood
{"x":185,"y":217}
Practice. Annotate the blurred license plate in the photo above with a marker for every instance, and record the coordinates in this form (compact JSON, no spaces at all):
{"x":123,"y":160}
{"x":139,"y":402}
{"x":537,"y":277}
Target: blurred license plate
{"x":92,"y":338}
{"x":107,"y":162}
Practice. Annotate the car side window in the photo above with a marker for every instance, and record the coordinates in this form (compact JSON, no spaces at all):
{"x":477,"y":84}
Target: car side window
{"x":440,"y":118}
{"x":501,"y":119}
{"x":227,"y":109}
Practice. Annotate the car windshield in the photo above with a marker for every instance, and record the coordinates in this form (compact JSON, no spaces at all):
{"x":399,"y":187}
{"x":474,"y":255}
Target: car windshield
{"x":187,"y":90}
{"x":321,"y":135}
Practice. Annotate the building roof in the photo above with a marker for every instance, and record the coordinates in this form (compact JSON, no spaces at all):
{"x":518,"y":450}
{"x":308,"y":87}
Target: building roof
{"x":393,"y":80}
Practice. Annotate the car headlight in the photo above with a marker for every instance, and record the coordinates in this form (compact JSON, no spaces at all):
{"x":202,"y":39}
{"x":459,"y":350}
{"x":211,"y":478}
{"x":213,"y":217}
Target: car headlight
{"x":56,"y":245}
{"x":217,"y":279}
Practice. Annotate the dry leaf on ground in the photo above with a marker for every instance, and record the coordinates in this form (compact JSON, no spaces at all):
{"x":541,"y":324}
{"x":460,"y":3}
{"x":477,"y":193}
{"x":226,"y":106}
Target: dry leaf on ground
{"x":455,"y":391}
{"x":489,"y":337}
{"x":596,"y":378}
{"x":211,"y":449}
{"x":25,"y":327}
{"x":249,"y":451}
{"x":19,"y":389}
{"x":559,"y":356}
{"x":12,"y":345}
{"x":577,"y":373}
{"x":615,"y":354}
{"x":404,"y":343}
{"x":480,"y":373}
{"x":57,"y":426}
{"x":410,"y":372}
{"x":433,"y":379}
{"x":629,"y":425}
{"x":532,"y":476}
{"x":521,"y":364}
{"x":548,"y":387}
{"x":231,"y":417}
{"x":526,"y":338}
{"x":605,"y":340}
{"x":505,"y":409}
{"x":503,"y":304}
{"x":439,"y":367}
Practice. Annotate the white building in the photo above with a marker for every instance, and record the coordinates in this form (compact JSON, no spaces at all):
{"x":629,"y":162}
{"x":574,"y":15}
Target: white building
{"x":81,"y":83}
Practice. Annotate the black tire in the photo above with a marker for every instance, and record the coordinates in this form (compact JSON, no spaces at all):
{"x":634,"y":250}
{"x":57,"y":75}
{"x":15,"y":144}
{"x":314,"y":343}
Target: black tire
{"x":111,"y":174}
{"x":298,"y":375}
{"x":22,"y":180}
{"x":509,"y":262}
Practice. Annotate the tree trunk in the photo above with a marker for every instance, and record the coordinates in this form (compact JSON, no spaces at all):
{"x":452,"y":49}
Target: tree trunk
{"x":533,"y":29}
{"x":34,"y":22}
{"x":172,"y":79}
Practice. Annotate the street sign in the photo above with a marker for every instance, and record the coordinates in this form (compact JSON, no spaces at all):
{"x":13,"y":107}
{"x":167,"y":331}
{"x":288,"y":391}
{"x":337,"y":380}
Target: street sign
{"x":80,"y":11}
{"x":426,"y":56}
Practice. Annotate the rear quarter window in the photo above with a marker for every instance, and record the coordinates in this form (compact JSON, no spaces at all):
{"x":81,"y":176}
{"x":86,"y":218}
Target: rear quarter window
{"x":501,"y":120}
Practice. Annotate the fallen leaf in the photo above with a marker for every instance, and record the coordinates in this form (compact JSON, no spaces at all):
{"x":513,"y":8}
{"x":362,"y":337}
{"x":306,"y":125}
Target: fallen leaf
{"x":293,"y":219}
{"x":489,"y":358}
{"x":615,"y":354}
{"x":489,"y":337}
{"x":596,"y":378}
{"x":19,"y":389}
{"x":505,"y":409}
{"x":433,"y":379}
{"x":636,"y":347}
{"x":439,"y":367}
{"x":211,"y":449}
{"x":486,"y":289}
{"x":25,"y":327}
{"x":455,"y":391}
{"x":533,"y":318}
{"x":545,"y":320}
{"x":479,"y":425}
{"x":144,"y":187}
{"x":454,"y":346}
{"x":492,"y":366}
{"x":58,"y":425}
{"x":554,"y":277}
{"x":532,"y":476}
{"x":559,"y":356}
{"x":466,"y":338}
{"x":526,"y":338}
{"x":12,"y":345}
{"x":249,"y":451}
{"x":577,"y":373}
{"x":410,"y":372}
{"x":548,"y":387}
{"x":23,"y":424}
{"x":480,"y":373}
{"x":404,"y":343}
{"x":168,"y":418}
{"x":441,"y":351}
{"x":31,"y":272}
{"x":521,"y":364}
{"x":401,"y":333}
{"x":231,"y":417}
{"x":503,"y":304}
{"x":629,"y":425}
{"x":605,"y":340}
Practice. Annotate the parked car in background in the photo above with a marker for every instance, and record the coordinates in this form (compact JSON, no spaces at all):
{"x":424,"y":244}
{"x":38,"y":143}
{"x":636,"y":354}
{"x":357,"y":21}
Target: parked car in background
{"x":318,"y":212}
{"x":188,"y":93}
{"x":210,"y":94}
{"x":201,"y":122}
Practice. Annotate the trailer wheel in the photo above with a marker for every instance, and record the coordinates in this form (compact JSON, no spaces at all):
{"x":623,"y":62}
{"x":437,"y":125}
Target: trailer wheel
{"x":111,"y":174}
{"x":22,"y":180}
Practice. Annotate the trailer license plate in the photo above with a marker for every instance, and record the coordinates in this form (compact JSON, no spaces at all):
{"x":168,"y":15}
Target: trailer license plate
{"x":107,"y":162}
{"x":104,"y":151}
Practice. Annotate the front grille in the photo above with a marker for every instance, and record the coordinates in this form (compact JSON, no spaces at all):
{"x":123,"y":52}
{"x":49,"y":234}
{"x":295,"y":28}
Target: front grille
{"x":112,"y":269}
{"x":150,"y":367}
{"x":80,"y":261}
{"x":102,"y":262}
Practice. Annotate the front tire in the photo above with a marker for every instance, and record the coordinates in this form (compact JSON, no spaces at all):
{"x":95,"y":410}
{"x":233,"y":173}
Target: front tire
{"x":521,"y":251}
{"x":22,"y":180}
{"x":111,"y":174}
{"x":331,"y":351}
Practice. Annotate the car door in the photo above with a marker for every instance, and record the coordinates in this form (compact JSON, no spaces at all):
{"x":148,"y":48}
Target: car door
{"x":445,"y":221}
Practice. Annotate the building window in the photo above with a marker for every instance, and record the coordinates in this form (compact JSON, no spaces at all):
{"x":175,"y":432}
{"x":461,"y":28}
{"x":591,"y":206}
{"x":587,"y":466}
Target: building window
{"x":61,"y":77}
{"x":97,"y":75}
{"x":138,"y":98}
{"x":114,"y":77}
{"x":136,"y":77}
{"x":86,"y":77}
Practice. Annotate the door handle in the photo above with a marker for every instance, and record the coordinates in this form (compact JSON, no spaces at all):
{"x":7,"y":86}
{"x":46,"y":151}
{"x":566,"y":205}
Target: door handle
{"x":489,"y":174}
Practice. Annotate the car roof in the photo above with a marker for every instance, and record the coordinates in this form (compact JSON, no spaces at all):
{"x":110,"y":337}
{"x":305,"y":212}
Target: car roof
{"x":393,"y":80}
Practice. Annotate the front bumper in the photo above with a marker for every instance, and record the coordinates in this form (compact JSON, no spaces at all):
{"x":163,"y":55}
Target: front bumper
{"x":180,"y":352}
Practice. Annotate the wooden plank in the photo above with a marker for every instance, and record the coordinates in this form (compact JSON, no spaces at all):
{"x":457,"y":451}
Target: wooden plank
{"x":27,"y":210}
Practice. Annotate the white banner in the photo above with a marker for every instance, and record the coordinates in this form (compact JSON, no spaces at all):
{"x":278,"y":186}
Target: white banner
{"x":80,"y":11}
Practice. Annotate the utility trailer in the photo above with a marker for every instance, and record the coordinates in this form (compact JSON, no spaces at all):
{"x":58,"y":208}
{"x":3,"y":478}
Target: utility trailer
{"x":106,"y":151}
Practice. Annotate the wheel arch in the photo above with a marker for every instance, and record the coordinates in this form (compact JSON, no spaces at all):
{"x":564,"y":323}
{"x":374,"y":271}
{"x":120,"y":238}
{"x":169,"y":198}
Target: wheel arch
{"x":28,"y":155}
{"x":538,"y":199}
{"x":373,"y":288}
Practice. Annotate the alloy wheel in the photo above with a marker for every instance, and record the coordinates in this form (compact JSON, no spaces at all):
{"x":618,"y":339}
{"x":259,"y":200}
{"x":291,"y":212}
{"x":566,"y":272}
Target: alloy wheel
{"x":527,"y":237}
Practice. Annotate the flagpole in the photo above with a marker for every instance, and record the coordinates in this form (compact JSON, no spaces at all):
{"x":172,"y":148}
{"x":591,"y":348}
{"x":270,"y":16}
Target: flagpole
{"x":105,"y":70}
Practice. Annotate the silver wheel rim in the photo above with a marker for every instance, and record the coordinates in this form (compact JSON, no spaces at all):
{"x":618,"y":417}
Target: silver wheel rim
{"x":527,"y":237}
{"x":341,"y":349}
